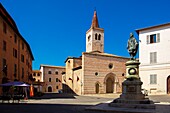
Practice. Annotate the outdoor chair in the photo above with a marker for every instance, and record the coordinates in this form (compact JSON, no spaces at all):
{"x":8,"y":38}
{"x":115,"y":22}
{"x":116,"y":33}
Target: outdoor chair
{"x":17,"y":98}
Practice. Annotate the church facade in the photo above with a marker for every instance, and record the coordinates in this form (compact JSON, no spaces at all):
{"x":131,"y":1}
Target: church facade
{"x":94,"y":71}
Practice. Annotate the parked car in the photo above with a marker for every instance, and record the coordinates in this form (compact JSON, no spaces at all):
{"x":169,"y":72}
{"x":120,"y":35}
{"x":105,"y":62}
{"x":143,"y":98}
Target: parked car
{"x":145,"y":92}
{"x":60,"y":91}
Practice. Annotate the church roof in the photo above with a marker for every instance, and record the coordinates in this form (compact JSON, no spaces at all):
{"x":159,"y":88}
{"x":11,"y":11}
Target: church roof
{"x":72,"y":58}
{"x":104,"y":54}
{"x":95,"y":23}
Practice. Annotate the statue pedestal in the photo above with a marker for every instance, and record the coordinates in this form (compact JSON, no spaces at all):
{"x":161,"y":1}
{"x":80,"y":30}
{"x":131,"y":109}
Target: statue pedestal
{"x":132,"y":96}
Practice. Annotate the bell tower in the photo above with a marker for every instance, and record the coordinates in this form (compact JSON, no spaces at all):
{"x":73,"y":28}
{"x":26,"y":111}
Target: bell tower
{"x":95,"y":36}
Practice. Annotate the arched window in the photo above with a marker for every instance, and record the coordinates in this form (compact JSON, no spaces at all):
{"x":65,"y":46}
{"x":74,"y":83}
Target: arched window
{"x":89,"y":37}
{"x":49,"y":79}
{"x":34,"y":74}
{"x":56,"y":72}
{"x":49,"y":72}
{"x":96,"y":36}
{"x":38,"y":74}
{"x":57,"y":79}
{"x":99,"y":37}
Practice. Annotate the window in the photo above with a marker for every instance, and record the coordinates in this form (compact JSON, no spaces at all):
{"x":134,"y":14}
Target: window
{"x":38,"y":74}
{"x":56,"y":87}
{"x":49,"y":72}
{"x":22,"y":58}
{"x":49,"y":79}
{"x":153,"y":57}
{"x":154,"y":38}
{"x":3,"y":62}
{"x":96,"y":36}
{"x":99,"y":38}
{"x":57,"y":80}
{"x":56,"y":72}
{"x":4,"y":65}
{"x":34,"y":74}
{"x":153,"y":79}
{"x":27,"y":62}
{"x":89,"y":37}
{"x":110,"y":66}
{"x":22,"y":72}
{"x":96,"y":73}
{"x":22,"y":45}
{"x":14,"y":52}
{"x":15,"y":70}
{"x":4,"y":28}
{"x":4,"y":45}
{"x":15,"y":38}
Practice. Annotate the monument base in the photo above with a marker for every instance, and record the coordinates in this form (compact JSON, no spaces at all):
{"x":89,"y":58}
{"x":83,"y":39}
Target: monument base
{"x":125,"y":101}
{"x":132,"y":106}
{"x":132,"y":96}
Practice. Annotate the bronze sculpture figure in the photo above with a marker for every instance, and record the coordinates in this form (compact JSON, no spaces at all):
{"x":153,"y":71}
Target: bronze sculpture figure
{"x":132,"y":46}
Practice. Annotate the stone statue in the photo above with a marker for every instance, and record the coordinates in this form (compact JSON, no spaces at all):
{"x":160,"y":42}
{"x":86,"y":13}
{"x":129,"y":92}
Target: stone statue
{"x":132,"y":46}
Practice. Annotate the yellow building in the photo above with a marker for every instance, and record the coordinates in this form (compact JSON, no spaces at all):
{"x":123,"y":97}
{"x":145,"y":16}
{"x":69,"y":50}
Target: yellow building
{"x":15,"y":53}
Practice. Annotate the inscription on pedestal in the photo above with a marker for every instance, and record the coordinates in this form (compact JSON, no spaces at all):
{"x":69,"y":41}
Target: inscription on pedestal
{"x":131,"y":89}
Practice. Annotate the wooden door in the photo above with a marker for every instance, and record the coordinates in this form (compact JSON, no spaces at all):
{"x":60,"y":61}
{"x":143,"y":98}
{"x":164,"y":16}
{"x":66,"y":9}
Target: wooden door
{"x":109,"y":85}
{"x":97,"y":88}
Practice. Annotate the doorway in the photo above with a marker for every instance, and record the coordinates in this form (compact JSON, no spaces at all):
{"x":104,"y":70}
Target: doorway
{"x":168,"y":85}
{"x":49,"y":89}
{"x":97,"y":88}
{"x":109,"y":85}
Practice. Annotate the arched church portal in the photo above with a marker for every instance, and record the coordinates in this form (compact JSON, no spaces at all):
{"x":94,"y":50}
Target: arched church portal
{"x":168,"y":85}
{"x":110,"y":83}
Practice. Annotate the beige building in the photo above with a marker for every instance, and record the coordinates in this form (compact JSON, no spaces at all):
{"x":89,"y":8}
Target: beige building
{"x":95,"y":71}
{"x":15,"y":53}
{"x":37,"y":82}
{"x":51,"y":76}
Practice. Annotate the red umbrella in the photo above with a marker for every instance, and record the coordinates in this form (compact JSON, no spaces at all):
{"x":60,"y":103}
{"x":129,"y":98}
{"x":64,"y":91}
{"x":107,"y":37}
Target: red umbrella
{"x":31,"y":91}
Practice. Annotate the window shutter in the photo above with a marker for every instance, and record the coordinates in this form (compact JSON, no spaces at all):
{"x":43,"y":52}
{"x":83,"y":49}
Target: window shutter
{"x":151,"y":57}
{"x":151,"y":79}
{"x":155,"y":57}
{"x":155,"y":79}
{"x":158,"y":37}
{"x":147,"y":39}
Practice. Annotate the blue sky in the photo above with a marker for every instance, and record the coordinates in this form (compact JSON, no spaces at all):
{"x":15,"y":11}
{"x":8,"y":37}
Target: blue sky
{"x":55,"y":29}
